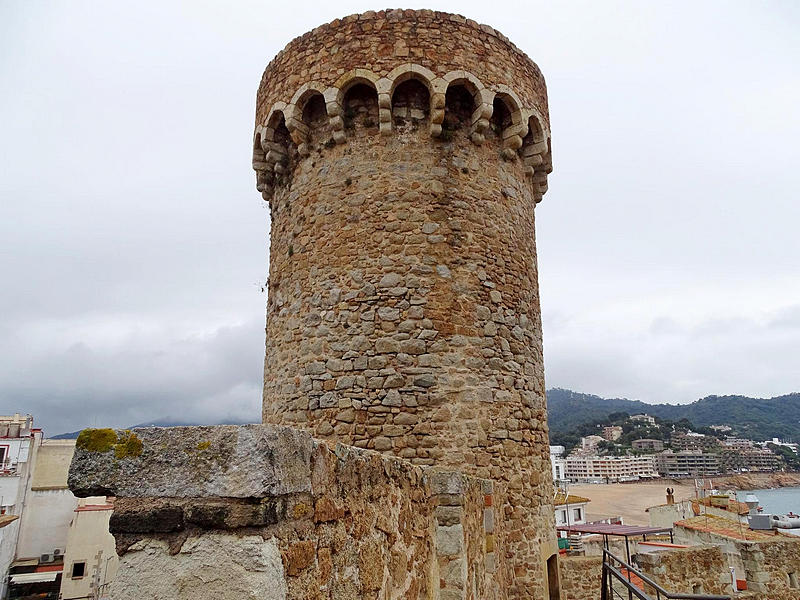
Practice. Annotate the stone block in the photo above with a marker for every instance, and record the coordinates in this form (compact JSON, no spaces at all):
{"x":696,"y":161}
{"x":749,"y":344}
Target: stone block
{"x":238,"y":462}
{"x":450,"y":540}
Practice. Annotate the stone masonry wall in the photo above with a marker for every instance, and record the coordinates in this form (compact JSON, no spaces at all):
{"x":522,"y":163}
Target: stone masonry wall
{"x":581,"y":577}
{"x":773,"y":568}
{"x":702,"y":570}
{"x":267,"y":512}
{"x":403,"y":312}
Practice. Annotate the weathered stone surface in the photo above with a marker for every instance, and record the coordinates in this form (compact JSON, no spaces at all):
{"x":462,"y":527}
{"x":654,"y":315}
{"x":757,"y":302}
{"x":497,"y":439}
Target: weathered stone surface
{"x":209,"y":567}
{"x":367,"y":526}
{"x":403,"y":252}
{"x":228,"y":461}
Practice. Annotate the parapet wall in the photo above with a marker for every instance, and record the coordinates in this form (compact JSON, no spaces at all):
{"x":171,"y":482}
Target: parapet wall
{"x":261,"y":511}
{"x":702,"y":570}
{"x":437,"y":41}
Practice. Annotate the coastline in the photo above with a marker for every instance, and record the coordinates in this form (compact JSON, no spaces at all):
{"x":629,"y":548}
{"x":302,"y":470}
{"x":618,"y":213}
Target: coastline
{"x":630,"y":500}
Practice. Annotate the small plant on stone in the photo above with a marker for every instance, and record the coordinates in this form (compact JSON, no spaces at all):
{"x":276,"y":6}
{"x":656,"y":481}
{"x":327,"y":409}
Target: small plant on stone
{"x":291,"y":250}
{"x":330,"y":143}
{"x":348,"y":181}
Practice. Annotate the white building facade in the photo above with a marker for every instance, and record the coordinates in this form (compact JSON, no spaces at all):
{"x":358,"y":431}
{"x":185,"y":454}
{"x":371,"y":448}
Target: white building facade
{"x":609,"y":469}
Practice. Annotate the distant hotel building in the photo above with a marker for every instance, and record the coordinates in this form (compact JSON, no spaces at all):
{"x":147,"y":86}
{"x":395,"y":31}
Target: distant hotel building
{"x":687,"y":463}
{"x":648,"y":444}
{"x":692,"y":441}
{"x":612,"y":433}
{"x":609,"y":469}
{"x":749,"y":459}
{"x":645,"y":418}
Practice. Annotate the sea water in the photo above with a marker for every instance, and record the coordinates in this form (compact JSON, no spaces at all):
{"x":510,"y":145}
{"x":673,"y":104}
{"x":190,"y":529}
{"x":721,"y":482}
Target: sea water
{"x":778,"y":501}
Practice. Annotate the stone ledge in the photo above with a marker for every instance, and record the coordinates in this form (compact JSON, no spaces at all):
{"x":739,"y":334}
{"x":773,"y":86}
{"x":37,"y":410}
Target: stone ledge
{"x":222,"y":461}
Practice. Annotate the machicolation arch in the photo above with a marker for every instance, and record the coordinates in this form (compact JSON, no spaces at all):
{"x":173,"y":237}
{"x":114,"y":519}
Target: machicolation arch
{"x":410,"y":97}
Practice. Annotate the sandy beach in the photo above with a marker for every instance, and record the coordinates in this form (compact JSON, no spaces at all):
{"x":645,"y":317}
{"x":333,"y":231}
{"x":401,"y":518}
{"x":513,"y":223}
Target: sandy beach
{"x":628,"y":500}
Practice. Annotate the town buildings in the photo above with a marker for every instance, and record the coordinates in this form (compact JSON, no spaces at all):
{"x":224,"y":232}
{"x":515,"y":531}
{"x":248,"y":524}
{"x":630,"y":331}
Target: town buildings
{"x":647,"y":444}
{"x":43,"y":523}
{"x":687,"y":463}
{"x":18,"y":440}
{"x":745,"y":458}
{"x":643,"y":418}
{"x":612,"y":433}
{"x":690,"y":440}
{"x":558,"y":463}
{"x":609,"y":469}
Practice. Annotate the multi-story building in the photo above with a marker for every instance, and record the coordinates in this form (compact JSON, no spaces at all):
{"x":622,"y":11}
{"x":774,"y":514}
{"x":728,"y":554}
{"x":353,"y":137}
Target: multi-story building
{"x":687,"y":463}
{"x":612,"y":433}
{"x":749,"y":459}
{"x":589,"y":443}
{"x":42,"y":524}
{"x":737,"y":442}
{"x":644,"y":418}
{"x":609,"y":469}
{"x":18,"y":443}
{"x":648,"y":444}
{"x":558,"y":463}
{"x":690,"y":440}
{"x":777,"y":442}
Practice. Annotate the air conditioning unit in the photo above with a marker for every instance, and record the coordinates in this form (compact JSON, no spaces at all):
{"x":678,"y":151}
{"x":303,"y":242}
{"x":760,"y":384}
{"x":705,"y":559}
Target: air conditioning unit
{"x":46,"y":558}
{"x":58,"y":552}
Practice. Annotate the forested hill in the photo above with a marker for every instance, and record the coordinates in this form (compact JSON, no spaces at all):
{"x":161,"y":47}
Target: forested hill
{"x":754,"y":418}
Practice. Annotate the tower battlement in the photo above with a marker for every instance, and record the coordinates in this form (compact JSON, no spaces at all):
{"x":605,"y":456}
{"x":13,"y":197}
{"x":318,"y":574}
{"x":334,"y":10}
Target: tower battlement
{"x":399,"y":72}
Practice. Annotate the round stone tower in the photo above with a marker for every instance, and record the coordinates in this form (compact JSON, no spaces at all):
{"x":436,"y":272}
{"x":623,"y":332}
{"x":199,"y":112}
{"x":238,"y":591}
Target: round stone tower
{"x":402,"y":154}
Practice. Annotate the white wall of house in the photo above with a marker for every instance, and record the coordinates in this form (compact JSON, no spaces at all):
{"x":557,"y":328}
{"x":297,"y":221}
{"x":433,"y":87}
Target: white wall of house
{"x":45,"y":522}
{"x":8,"y":538}
{"x":18,"y":455}
{"x":570,"y":514}
{"x":49,"y":505}
{"x":89,"y":542}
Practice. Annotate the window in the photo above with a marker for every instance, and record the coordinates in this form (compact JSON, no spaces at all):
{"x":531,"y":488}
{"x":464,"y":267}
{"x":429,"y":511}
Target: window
{"x":577,"y":513}
{"x":78,"y":569}
{"x":563,"y":516}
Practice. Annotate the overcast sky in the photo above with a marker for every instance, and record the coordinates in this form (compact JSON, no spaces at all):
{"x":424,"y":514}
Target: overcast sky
{"x":133,"y":244}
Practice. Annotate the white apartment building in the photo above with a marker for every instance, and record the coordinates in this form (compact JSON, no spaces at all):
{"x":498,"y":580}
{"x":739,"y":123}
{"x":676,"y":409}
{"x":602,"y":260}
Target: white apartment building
{"x":609,"y":469}
{"x":645,"y":418}
{"x":558,"y":463}
{"x":50,"y":541}
{"x":18,"y":441}
{"x":775,"y":441}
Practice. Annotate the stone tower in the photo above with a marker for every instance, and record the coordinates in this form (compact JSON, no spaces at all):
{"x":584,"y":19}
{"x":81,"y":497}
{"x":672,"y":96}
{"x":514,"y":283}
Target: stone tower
{"x":402,"y":154}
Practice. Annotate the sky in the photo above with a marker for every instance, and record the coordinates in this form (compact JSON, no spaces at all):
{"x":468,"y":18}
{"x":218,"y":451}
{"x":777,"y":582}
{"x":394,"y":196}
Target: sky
{"x":134,"y":246}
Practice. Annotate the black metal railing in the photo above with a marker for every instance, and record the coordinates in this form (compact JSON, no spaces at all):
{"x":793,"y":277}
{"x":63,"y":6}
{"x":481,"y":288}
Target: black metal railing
{"x":621,"y":581}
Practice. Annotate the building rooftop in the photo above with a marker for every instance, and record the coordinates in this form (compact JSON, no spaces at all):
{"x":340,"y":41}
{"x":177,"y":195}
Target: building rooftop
{"x":561,"y":499}
{"x":7,"y":520}
{"x":730,"y":529}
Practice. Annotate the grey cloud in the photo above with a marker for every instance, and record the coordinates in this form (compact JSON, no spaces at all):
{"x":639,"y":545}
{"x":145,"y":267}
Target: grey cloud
{"x":133,"y":244}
